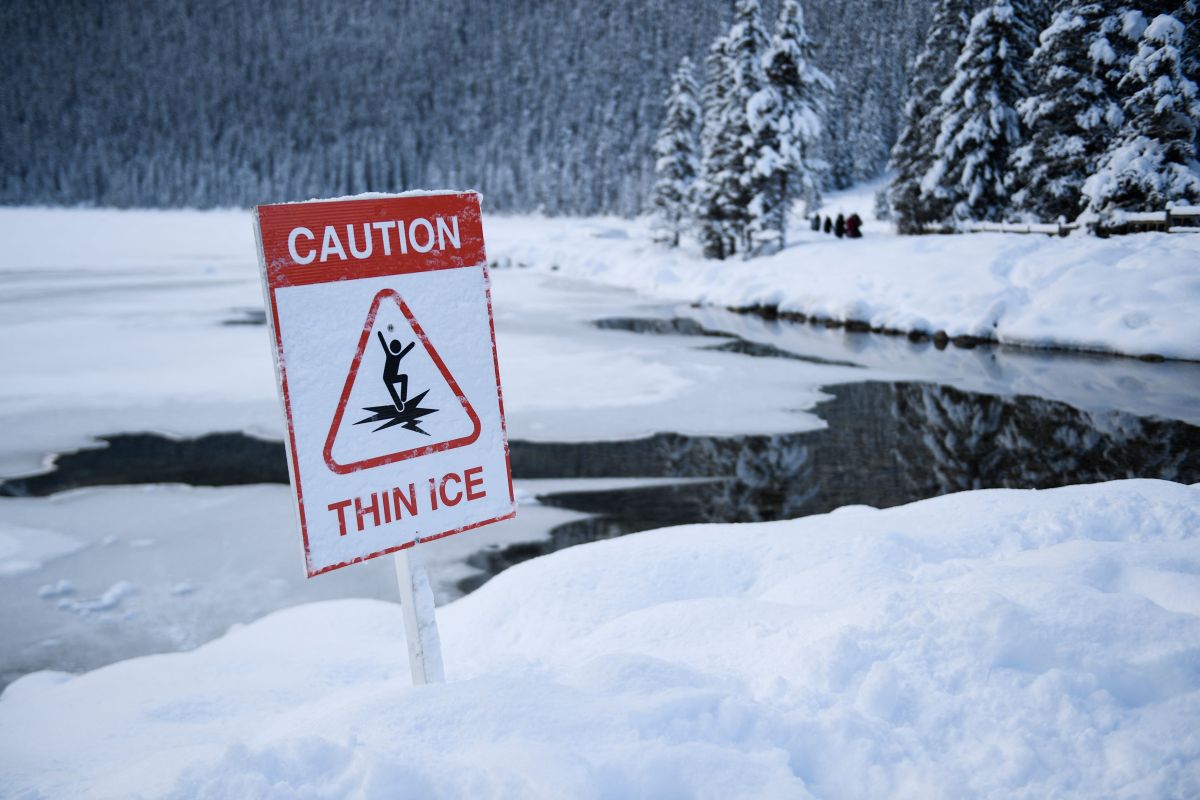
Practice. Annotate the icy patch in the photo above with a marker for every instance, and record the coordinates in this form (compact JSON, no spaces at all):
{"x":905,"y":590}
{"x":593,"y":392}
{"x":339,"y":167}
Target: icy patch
{"x":108,"y":601}
{"x":61,"y":588}
{"x":24,"y":550}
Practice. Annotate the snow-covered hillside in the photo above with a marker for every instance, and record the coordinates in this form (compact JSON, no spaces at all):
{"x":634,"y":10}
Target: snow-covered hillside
{"x":999,"y":643}
{"x":1135,"y":295}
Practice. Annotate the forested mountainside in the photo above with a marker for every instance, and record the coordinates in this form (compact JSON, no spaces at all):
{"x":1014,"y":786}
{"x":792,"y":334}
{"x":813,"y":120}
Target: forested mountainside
{"x":541,"y":105}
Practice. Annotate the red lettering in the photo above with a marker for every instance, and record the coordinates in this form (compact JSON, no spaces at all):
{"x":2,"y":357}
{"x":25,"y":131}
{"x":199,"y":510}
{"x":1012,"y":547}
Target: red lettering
{"x":409,"y":502}
{"x":474,"y":478}
{"x":361,"y":511}
{"x":458,"y":497}
{"x":340,"y":508}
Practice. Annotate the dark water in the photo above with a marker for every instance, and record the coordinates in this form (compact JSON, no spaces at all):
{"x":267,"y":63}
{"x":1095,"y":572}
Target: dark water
{"x":886,"y":443}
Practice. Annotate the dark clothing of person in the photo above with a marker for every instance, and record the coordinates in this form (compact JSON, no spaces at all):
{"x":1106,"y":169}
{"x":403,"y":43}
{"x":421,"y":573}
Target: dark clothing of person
{"x":854,"y":226}
{"x":816,"y":223}
{"x":839,"y":227}
{"x":828,"y":225}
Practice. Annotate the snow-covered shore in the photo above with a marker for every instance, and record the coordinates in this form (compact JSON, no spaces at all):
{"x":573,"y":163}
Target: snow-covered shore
{"x":997,"y":643}
{"x":1134,"y":295}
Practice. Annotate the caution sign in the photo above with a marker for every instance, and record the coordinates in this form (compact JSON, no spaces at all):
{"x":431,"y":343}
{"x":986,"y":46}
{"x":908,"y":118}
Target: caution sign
{"x":386,"y":361}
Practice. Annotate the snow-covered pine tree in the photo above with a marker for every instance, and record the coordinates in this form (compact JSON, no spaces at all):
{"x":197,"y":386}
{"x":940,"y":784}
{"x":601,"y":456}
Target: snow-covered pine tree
{"x":788,"y":125}
{"x":980,"y":124}
{"x":1073,"y":113}
{"x":714,"y":227}
{"x":913,"y":153}
{"x":1150,"y":162}
{"x":749,"y":195}
{"x":677,"y":161}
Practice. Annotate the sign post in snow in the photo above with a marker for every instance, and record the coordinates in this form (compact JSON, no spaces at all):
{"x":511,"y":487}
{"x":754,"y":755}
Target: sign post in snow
{"x":385,"y":356}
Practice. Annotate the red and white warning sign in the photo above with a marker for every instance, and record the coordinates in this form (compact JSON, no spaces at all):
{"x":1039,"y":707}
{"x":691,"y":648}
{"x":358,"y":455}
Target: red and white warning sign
{"x":387,"y":365}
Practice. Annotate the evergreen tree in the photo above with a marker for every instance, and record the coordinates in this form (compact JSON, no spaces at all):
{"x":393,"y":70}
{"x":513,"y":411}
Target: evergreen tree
{"x":1073,"y":113}
{"x":712,"y":206}
{"x":677,"y":163}
{"x":913,"y":153}
{"x":980,"y":125}
{"x":788,"y":127}
{"x":746,"y":185}
{"x":1150,"y":162}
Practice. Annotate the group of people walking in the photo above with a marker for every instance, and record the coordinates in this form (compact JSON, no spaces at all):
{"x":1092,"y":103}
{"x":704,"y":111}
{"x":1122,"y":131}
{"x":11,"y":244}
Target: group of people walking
{"x":843,"y":226}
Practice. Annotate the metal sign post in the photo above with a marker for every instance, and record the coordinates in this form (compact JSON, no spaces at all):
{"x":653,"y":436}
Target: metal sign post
{"x":420,"y":620}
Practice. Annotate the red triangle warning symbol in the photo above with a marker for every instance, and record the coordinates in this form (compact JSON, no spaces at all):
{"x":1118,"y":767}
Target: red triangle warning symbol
{"x":400,"y":400}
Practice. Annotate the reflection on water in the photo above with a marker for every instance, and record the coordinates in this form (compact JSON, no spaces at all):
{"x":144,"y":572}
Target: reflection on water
{"x":885,"y":444}
{"x":915,"y":422}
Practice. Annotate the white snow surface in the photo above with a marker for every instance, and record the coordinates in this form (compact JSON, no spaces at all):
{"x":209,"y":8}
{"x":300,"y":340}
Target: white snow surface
{"x":120,"y":317}
{"x":1133,"y":295}
{"x":998,"y":643}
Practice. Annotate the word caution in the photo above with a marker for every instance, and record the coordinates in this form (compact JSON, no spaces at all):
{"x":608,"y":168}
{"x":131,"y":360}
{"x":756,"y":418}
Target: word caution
{"x":421,"y":234}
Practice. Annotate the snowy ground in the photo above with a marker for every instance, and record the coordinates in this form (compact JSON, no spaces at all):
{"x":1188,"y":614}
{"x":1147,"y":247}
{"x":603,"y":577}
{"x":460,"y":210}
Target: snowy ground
{"x":1000,"y":643}
{"x":1134,"y":295}
{"x":917,"y":652}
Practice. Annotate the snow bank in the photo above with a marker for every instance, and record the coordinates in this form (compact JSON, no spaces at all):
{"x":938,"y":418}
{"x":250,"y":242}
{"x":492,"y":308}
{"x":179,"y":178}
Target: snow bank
{"x":1135,"y":295}
{"x":1003,"y":643}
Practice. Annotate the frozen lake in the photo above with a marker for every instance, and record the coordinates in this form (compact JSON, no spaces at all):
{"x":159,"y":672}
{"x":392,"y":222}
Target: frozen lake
{"x":624,"y":414}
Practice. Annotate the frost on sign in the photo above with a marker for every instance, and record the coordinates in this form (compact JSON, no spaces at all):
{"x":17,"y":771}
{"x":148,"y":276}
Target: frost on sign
{"x":387,"y":366}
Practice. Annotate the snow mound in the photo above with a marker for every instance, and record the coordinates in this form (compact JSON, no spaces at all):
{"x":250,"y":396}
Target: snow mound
{"x":998,"y":643}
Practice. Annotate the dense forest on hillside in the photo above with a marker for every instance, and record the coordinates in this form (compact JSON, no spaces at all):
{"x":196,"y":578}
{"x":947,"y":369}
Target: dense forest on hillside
{"x":551,"y":105}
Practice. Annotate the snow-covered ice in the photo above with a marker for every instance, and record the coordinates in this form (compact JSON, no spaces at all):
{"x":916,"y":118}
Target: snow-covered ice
{"x":124,"y":326}
{"x":123,"y":322}
{"x":997,"y":643}
{"x":96,"y":583}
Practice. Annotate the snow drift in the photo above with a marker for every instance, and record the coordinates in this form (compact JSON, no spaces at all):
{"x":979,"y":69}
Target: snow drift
{"x":1004,"y":643}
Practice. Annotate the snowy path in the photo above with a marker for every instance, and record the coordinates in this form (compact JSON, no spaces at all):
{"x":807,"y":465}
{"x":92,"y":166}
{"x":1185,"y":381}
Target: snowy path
{"x":1001,"y":643}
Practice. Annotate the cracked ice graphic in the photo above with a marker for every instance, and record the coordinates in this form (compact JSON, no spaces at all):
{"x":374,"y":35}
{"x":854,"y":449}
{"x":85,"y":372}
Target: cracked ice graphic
{"x":403,"y":411}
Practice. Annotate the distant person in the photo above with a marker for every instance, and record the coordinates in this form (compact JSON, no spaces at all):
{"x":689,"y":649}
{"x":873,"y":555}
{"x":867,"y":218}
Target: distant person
{"x":828,"y":224}
{"x":816,"y":223}
{"x":854,"y":226}
{"x":839,"y":227}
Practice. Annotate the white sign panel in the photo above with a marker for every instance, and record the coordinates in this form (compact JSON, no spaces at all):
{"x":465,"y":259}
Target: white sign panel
{"x":387,"y":366}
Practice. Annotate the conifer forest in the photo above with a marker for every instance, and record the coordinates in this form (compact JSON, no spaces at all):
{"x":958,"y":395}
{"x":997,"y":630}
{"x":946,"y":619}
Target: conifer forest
{"x":1015,"y":110}
{"x":718,"y":117}
{"x":540,"y":105}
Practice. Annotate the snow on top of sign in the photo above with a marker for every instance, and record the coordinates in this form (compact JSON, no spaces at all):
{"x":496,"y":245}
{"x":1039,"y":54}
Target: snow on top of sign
{"x":384,"y":196}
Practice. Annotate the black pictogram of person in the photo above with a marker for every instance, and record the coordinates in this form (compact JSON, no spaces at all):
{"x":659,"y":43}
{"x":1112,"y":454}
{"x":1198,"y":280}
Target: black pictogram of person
{"x":392,"y":375}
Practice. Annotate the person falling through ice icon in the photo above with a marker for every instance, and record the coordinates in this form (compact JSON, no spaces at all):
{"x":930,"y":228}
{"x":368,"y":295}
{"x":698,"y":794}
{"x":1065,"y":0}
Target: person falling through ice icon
{"x":391,"y":370}
{"x":404,"y":411}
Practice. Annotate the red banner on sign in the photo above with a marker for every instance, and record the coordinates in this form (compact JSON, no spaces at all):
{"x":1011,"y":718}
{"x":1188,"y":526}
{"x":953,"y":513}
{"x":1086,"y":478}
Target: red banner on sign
{"x":305,"y":243}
